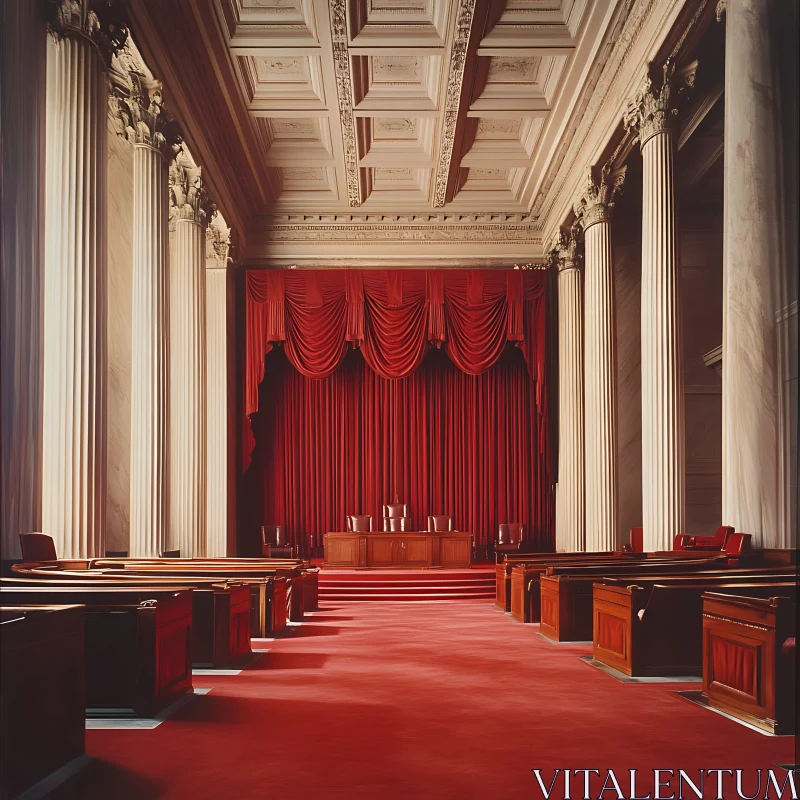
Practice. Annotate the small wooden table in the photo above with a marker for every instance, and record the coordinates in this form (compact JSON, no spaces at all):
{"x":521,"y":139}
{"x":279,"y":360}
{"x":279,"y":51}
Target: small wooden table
{"x":406,"y":550}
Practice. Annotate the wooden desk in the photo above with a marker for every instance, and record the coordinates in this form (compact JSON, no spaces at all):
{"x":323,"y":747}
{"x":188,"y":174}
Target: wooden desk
{"x":406,"y":550}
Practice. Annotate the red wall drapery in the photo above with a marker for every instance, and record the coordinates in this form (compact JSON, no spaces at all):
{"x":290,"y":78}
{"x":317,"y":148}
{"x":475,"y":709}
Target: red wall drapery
{"x":394,"y":316}
{"x":441,"y":440}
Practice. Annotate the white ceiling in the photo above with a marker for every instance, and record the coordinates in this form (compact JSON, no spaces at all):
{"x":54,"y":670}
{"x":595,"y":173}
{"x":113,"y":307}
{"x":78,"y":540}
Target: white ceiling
{"x":409,"y":106}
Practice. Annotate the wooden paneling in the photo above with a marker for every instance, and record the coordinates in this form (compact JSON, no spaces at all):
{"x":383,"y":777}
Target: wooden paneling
{"x":398,"y":550}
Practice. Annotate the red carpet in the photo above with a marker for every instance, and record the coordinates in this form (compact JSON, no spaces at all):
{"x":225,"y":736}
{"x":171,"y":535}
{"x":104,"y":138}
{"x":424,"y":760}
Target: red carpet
{"x":407,"y":585}
{"x":428,"y":700}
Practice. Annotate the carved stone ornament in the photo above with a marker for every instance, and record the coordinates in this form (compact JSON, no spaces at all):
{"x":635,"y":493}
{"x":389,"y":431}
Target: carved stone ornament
{"x":564,"y":250}
{"x":595,"y":203}
{"x":188,"y":198}
{"x":218,"y":245}
{"x":98,"y":21}
{"x":136,"y":104}
{"x":455,"y":79}
{"x":653,"y":111}
{"x":344,"y":92}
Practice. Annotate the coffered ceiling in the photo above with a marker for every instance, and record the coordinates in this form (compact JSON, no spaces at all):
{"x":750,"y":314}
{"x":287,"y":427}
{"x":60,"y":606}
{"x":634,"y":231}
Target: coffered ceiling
{"x":407,"y":105}
{"x":398,"y":132}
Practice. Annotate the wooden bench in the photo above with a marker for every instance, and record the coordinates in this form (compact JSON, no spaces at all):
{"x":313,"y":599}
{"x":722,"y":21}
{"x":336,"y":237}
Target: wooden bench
{"x":526,"y":577}
{"x":750,"y":660}
{"x":567,"y":598}
{"x":137,"y":642}
{"x":268,"y":594}
{"x":220,"y":609}
{"x":656,"y":628}
{"x":42,"y":709}
{"x":504,"y":568}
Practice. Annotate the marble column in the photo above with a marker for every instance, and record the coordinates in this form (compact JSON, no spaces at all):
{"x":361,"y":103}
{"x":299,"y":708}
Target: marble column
{"x":75,"y":356}
{"x":663,"y":436}
{"x":191,"y":213}
{"x":24,"y":60}
{"x":752,"y":261}
{"x":144,"y":121}
{"x":570,"y":496}
{"x":218,"y":442}
{"x":593,"y":212}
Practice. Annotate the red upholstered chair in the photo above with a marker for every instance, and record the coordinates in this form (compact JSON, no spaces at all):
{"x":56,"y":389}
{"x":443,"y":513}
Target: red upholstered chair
{"x":395,"y":517}
{"x":681,"y":542}
{"x":717,"y":541}
{"x":359,"y":523}
{"x":738,"y":544}
{"x":510,"y":533}
{"x":37,"y":547}
{"x":438,"y":523}
{"x":274,"y":544}
{"x":637,"y":541}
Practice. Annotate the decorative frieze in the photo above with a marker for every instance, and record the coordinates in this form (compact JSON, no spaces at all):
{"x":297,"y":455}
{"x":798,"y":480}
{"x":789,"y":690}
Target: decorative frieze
{"x":597,"y":199}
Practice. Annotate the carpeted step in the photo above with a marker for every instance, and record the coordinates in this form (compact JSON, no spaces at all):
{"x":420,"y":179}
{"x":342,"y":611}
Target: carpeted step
{"x":408,"y":598}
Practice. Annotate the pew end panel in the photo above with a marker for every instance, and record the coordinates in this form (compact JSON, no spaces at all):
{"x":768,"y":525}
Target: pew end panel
{"x":42,"y":706}
{"x":615,"y":614}
{"x":749,"y":659}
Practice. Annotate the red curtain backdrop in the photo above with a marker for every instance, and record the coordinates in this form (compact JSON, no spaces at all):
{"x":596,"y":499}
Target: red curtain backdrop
{"x":441,"y":440}
{"x":342,"y":432}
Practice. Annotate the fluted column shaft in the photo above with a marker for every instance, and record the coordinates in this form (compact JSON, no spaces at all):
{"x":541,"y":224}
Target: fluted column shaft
{"x":663,"y":451}
{"x":752,"y":258}
{"x":570,"y":499}
{"x":149,"y":361}
{"x":188,"y":390}
{"x":600,"y":388}
{"x":22,"y":230}
{"x":75,"y":355}
{"x":217,"y":427}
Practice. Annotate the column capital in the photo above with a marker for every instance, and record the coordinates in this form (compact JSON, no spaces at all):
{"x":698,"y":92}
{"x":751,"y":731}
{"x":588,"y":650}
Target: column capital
{"x":100,"y":23}
{"x":188,"y":198}
{"x":595,"y":202}
{"x":136,"y":104}
{"x":564,"y":250}
{"x":218,"y":245}
{"x":652,"y":110}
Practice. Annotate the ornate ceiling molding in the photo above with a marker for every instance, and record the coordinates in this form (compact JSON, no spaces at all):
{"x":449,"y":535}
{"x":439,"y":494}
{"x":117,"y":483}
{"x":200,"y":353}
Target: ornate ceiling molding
{"x":635,"y":20}
{"x":344,"y":91}
{"x":455,"y":80}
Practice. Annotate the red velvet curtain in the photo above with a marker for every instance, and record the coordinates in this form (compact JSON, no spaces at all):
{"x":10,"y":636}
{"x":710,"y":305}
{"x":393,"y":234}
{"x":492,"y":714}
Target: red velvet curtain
{"x":394,"y":316}
{"x":440,"y":439}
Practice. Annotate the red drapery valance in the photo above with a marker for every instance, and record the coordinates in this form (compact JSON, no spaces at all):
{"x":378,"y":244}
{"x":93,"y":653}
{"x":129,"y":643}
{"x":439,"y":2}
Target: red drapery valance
{"x":394,"y":316}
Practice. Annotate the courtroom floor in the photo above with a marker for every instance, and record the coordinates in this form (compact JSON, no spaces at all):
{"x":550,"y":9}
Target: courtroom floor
{"x":412,"y":700}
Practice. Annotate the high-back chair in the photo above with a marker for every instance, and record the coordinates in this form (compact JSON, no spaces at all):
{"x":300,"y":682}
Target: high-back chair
{"x":395,"y":517}
{"x":37,"y":547}
{"x":510,"y":533}
{"x":439,"y":523}
{"x":274,"y":543}
{"x":359,"y":523}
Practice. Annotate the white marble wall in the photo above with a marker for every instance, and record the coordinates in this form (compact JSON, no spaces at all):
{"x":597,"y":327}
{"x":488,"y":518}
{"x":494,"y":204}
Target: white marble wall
{"x":120,"y":283}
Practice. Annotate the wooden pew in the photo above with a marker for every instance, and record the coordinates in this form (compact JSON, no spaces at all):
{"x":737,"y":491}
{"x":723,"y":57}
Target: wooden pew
{"x":310,"y":574}
{"x":749,"y":659}
{"x":268,"y":614}
{"x":526,"y":577}
{"x":42,"y":709}
{"x":656,"y":627}
{"x":220,"y":610}
{"x":137,"y":642}
{"x":566,"y":592}
{"x":504,"y":568}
